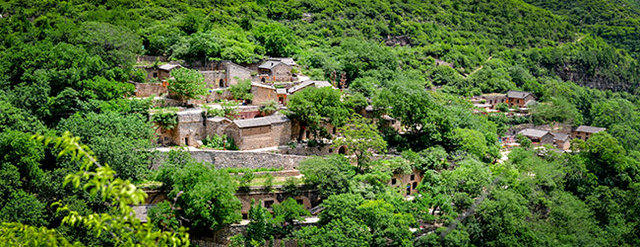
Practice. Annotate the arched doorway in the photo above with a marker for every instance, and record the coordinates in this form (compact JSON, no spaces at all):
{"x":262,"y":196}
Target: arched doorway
{"x":342,"y":150}
{"x":221,"y":83}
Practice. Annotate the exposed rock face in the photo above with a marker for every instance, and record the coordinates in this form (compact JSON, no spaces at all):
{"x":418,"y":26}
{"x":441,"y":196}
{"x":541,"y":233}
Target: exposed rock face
{"x":568,"y":73}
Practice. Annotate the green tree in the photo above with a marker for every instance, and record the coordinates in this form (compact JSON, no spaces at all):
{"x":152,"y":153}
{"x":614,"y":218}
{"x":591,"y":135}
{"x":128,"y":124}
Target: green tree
{"x":187,"y":84}
{"x":95,"y":179}
{"x":361,"y":138}
{"x":242,"y":90}
{"x":314,"y":108}
{"x":331,"y":174}
{"x":472,"y":142}
{"x":277,"y":39}
{"x":205,"y":197}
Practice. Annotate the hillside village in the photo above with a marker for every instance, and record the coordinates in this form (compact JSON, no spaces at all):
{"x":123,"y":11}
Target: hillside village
{"x":319,"y":123}
{"x":253,"y":138}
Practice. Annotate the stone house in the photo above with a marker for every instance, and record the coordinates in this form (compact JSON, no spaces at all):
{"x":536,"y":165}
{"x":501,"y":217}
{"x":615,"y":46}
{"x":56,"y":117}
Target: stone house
{"x":409,"y":182}
{"x":583,"y":132}
{"x":261,"y":132}
{"x":538,"y":136}
{"x":493,"y":99}
{"x":281,"y":94}
{"x":254,"y":133}
{"x":164,"y":71}
{"x":263,"y":93}
{"x":224,"y":74}
{"x":561,"y":141}
{"x":149,"y":89}
{"x":519,"y":99}
{"x":276,"y":70}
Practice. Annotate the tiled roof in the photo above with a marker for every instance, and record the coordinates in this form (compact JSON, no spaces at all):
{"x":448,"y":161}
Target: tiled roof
{"x":559,"y":136}
{"x":168,"y":67}
{"x":262,"y":121}
{"x":268,"y":64}
{"x":262,"y":85}
{"x":517,"y":94}
{"x":305,"y":84}
{"x":589,"y":129}
{"x":286,"y":60}
{"x":533,"y":133}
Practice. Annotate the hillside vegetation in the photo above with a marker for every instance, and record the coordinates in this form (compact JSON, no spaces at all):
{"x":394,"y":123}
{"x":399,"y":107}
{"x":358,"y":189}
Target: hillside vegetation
{"x":65,"y":66}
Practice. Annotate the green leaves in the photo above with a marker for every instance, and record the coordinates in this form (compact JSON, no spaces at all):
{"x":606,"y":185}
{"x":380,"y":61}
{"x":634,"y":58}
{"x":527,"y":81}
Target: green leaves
{"x":187,"y":84}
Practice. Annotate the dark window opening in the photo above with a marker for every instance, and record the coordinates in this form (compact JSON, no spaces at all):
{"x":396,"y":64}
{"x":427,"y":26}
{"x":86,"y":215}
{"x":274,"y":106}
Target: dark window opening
{"x":414,"y":185}
{"x":263,"y":80}
{"x":330,"y":150}
{"x":342,"y":150}
{"x":221,"y":83}
{"x":268,"y":204}
{"x":245,"y":216}
{"x":393,"y":181}
{"x":335,"y":130}
{"x":155,"y":74}
{"x":299,"y":201}
{"x":413,"y":177}
{"x":186,"y":141}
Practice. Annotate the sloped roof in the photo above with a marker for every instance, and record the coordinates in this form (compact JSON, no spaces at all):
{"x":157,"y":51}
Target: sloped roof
{"x":559,"y":136}
{"x":533,"y":133}
{"x":517,"y":94}
{"x":307,"y":83}
{"x":286,"y":60}
{"x":252,"y":122}
{"x":275,"y":119}
{"x":262,"y":85}
{"x":169,"y":67}
{"x":589,"y":129}
{"x":268,"y":64}
{"x":262,"y":121}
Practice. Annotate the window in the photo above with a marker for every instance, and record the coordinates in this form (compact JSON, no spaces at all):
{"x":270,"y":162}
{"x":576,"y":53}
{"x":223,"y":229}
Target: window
{"x":155,"y":74}
{"x":393,"y":181}
{"x":245,"y":216}
{"x":415,"y":184}
{"x":300,"y":201}
{"x":330,"y":150}
{"x":413,"y":177}
{"x":268,"y":204}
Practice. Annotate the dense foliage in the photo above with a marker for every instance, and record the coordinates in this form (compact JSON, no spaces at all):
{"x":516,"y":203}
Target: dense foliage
{"x":65,"y":66}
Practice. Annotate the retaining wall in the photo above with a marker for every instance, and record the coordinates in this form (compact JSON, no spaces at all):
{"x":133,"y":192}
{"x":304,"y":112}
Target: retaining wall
{"x":241,"y":159}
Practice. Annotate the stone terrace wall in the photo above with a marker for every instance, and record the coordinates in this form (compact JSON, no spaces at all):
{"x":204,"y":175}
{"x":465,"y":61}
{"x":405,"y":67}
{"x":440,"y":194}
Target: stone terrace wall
{"x":148,"y":89}
{"x":242,"y":159}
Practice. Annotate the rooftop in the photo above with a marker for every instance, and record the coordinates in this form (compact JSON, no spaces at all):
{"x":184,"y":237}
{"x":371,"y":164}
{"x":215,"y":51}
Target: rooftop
{"x":262,"y":85}
{"x":305,"y":84}
{"x":559,"y":136}
{"x":533,"y":133}
{"x":589,"y":129}
{"x":169,"y":66}
{"x":262,"y":121}
{"x":517,"y":94}
{"x":268,"y":64}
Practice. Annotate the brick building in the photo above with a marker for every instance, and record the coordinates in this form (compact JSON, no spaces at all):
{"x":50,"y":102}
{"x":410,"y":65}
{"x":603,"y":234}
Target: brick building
{"x":276,"y":70}
{"x":519,"y":99}
{"x":583,"y":132}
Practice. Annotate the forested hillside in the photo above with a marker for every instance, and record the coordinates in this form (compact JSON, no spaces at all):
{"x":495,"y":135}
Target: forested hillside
{"x":65,"y":66}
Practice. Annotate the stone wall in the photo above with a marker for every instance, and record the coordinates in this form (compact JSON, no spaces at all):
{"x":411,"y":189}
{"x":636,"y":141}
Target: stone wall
{"x":149,"y":89}
{"x":263,"y":94}
{"x":281,"y":72}
{"x":236,"y":72}
{"x":240,"y":159}
{"x":214,"y":78}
